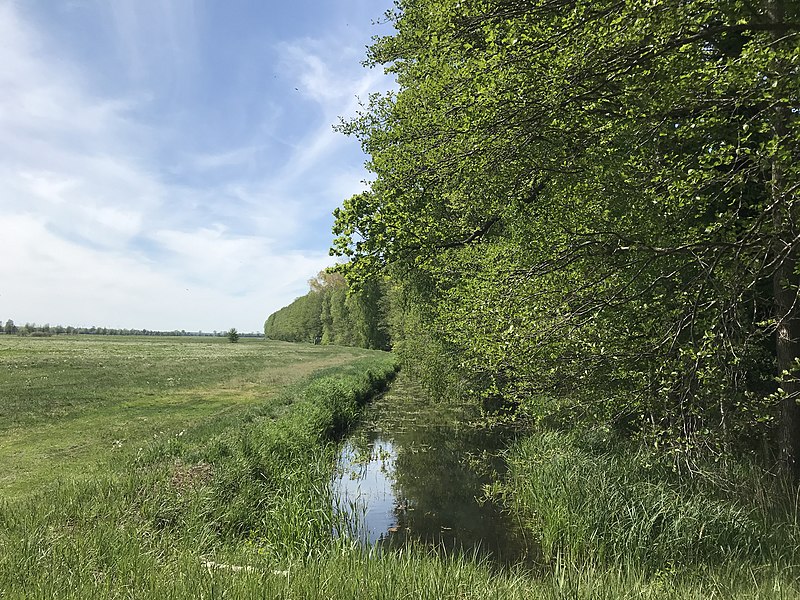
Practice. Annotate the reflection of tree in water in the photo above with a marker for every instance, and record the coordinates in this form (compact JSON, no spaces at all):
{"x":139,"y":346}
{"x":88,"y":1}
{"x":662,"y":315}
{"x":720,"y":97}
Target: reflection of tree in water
{"x":440,"y":468}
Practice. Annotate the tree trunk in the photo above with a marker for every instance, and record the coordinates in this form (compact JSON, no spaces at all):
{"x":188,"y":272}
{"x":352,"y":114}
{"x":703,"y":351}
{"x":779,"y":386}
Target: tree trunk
{"x":787,"y":348}
{"x":785,"y":280}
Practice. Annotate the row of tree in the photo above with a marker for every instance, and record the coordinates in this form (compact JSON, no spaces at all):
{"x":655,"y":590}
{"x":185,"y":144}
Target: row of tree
{"x":329,"y":314}
{"x":9,"y":328}
{"x":590,"y":207}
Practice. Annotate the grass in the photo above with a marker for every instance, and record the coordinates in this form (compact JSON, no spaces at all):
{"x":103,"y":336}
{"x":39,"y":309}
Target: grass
{"x":608,"y":515}
{"x":70,"y":405}
{"x":252,"y":484}
{"x":232,"y":499}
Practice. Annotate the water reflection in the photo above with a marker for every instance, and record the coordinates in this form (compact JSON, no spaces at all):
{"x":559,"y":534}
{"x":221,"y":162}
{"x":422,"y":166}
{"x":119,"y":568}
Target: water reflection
{"x":417,"y":471}
{"x":364,"y":489}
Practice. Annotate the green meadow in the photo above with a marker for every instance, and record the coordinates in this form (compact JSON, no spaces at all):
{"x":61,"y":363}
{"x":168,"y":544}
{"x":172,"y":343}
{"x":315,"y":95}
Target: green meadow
{"x":72,"y":405}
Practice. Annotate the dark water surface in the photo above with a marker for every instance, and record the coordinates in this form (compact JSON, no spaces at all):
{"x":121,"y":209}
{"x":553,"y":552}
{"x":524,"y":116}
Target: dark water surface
{"x":417,"y":471}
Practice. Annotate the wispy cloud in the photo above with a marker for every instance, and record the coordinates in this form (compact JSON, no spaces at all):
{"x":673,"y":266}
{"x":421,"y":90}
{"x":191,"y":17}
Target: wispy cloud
{"x":337,"y":87}
{"x":154,"y":37}
{"x":236,"y":157}
{"x":211,"y":282}
{"x":64,"y":156}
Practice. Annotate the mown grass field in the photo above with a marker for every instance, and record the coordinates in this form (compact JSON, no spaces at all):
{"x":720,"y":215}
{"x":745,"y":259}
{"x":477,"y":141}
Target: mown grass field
{"x":72,"y":405}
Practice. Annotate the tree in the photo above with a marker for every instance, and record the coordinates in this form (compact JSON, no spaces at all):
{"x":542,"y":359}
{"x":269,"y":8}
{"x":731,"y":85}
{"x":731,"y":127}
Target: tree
{"x":333,"y":313}
{"x":595,"y":201}
{"x":297,"y":322}
{"x":10,"y":328}
{"x":233,"y":335}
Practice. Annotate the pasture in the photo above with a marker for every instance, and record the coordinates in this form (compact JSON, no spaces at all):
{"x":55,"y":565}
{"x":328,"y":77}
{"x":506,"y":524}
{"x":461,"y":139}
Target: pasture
{"x":73,"y":405}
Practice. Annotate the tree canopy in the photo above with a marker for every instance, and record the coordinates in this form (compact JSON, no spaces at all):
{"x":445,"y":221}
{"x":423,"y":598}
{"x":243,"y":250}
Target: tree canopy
{"x":331,"y":313}
{"x":591,"y":208}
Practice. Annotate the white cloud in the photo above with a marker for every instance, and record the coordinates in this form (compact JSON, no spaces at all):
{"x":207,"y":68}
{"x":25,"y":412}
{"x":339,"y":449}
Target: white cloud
{"x":228,"y":282}
{"x":330,"y":76}
{"x":63,"y":157}
{"x":97,"y":230}
{"x":236,"y":157}
{"x":154,"y":36}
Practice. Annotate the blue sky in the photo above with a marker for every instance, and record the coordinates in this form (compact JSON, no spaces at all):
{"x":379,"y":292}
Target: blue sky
{"x":171,"y":164}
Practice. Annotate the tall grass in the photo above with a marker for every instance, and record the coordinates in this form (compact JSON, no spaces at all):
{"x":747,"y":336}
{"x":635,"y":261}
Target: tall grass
{"x":618,"y":507}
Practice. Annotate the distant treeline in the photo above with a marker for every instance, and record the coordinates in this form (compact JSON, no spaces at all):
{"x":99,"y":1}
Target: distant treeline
{"x":45,"y":330}
{"x":330,"y":313}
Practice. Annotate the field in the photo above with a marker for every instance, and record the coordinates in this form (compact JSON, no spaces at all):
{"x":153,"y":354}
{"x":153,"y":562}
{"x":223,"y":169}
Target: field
{"x":70,"y":406}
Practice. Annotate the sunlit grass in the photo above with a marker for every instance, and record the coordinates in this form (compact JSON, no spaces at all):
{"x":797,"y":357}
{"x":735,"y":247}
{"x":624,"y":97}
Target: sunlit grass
{"x":71,"y":405}
{"x":252,"y":486}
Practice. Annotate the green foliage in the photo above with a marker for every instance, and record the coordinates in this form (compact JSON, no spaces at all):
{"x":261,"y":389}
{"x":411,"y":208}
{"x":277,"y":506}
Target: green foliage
{"x":297,"y":322}
{"x":593,"y":202}
{"x":332,"y":313}
{"x":233,"y":335}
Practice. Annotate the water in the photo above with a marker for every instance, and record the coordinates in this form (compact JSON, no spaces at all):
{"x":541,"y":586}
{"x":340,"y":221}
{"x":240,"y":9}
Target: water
{"x":417,"y":471}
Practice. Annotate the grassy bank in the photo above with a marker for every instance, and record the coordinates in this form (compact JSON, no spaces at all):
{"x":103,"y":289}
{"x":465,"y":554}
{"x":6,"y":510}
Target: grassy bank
{"x":250,"y":487}
{"x":72,"y":406}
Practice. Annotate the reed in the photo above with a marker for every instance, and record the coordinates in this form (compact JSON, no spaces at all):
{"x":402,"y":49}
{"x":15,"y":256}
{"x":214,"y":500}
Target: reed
{"x":625,"y":508}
